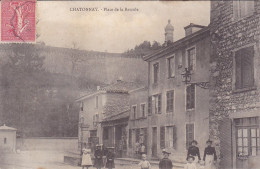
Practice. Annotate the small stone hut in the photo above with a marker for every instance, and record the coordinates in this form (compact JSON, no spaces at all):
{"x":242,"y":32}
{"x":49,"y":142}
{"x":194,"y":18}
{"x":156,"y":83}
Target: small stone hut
{"x":7,"y":138}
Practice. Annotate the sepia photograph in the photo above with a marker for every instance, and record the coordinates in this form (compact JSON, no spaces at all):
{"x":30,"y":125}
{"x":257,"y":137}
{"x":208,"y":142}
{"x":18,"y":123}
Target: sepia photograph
{"x":130,"y":84}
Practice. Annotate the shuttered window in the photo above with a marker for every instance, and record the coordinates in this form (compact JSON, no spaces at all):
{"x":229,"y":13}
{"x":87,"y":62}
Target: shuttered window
{"x":242,"y":8}
{"x":171,"y":67}
{"x":170,"y":101}
{"x":190,"y":97}
{"x":134,"y":112}
{"x":189,"y":134}
{"x":157,"y":103}
{"x":171,"y":137}
{"x":162,"y":137}
{"x":137,"y":134}
{"x":244,"y":68}
{"x":150,"y":105}
{"x":191,"y":59}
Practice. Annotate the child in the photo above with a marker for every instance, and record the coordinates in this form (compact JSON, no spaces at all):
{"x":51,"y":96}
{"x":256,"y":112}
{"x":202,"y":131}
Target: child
{"x":110,"y":156}
{"x":86,"y":159}
{"x":165,"y":163}
{"x":190,"y":164}
{"x":144,"y":164}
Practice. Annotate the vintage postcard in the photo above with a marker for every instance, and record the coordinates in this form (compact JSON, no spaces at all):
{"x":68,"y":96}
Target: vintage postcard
{"x":129,"y":84}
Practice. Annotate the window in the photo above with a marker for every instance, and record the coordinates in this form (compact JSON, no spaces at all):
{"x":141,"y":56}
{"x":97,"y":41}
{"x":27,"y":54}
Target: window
{"x":190,"y":97}
{"x":130,"y":138}
{"x":96,"y":101}
{"x":162,"y":137}
{"x":143,"y":110}
{"x":170,"y":101}
{"x":5,"y":140}
{"x":157,"y":103}
{"x":105,"y":133}
{"x":171,"y":137}
{"x":171,"y":67}
{"x":191,"y":59}
{"x":155,"y":72}
{"x":242,"y":8}
{"x":189,"y":134}
{"x":244,"y":68}
{"x":150,"y":105}
{"x":134,"y":112}
{"x":247,"y":136}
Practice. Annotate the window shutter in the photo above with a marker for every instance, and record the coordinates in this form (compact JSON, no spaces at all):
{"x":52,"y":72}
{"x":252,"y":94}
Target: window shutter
{"x":247,"y":67}
{"x":192,"y":96}
{"x":162,"y":137}
{"x":189,"y":134}
{"x":159,"y":103}
{"x":174,"y":137}
{"x":238,"y":70}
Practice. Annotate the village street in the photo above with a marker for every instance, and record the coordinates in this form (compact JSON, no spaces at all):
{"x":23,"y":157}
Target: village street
{"x":44,"y":160}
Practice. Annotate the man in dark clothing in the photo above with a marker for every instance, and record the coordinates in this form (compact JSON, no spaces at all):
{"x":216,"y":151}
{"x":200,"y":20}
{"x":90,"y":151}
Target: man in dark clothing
{"x":98,"y":157}
{"x":165,"y":163}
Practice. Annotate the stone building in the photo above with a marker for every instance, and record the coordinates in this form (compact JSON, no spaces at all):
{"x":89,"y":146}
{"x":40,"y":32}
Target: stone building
{"x":235,"y":82}
{"x":104,"y":114}
{"x":178,"y":112}
{"x":138,"y":122}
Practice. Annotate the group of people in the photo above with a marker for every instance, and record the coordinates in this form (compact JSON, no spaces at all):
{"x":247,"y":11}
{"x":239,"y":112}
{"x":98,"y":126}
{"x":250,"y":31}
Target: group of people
{"x":99,"y":162}
{"x":140,"y":149}
{"x":193,"y":158}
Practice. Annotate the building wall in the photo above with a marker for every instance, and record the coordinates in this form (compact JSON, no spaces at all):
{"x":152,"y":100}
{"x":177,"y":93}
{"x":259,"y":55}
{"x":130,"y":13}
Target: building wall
{"x":7,"y":140}
{"x":137,"y":98}
{"x":180,"y":117}
{"x":226,"y":104}
{"x":89,"y":110}
{"x":46,"y":143}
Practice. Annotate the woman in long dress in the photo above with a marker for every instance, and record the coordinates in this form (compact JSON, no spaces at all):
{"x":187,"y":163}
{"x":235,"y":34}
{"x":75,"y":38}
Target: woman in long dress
{"x":194,"y":151}
{"x":86,"y":158}
{"x":210,"y":156}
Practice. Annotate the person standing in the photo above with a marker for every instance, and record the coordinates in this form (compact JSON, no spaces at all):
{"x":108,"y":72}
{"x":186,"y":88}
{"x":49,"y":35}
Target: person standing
{"x":110,"y":156}
{"x":210,"y":156}
{"x":86,"y":158}
{"x":142,"y":150}
{"x":144,"y":164}
{"x":98,"y":157}
{"x":194,"y":151}
{"x":165,"y":163}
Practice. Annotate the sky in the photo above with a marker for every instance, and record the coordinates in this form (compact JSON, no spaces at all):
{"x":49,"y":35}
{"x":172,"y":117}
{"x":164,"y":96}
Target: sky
{"x":115,"y":31}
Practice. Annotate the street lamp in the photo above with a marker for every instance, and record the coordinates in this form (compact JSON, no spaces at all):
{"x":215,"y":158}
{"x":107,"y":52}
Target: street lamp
{"x":186,"y":76}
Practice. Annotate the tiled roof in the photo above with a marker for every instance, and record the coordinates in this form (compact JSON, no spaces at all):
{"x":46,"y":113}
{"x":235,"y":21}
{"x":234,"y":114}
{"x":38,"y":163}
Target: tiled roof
{"x":124,"y":114}
{"x":121,"y":86}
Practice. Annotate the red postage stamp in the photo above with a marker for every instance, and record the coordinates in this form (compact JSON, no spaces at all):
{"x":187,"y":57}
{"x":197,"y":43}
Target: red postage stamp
{"x":18,"y":20}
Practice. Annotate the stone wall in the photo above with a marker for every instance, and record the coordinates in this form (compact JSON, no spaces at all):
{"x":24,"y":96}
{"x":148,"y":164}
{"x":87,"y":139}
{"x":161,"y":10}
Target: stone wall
{"x":227,"y":35}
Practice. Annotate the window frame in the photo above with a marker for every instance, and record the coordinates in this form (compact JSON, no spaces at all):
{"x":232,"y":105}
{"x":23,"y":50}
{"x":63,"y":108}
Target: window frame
{"x":194,"y":59}
{"x":156,"y":80}
{"x":143,"y":114}
{"x":194,"y":136}
{"x":186,"y":94}
{"x":173,"y":101}
{"x":150,"y":105}
{"x":170,"y":74}
{"x":156,"y":109}
{"x":234,"y":89}
{"x":237,"y":10}
{"x":134,"y":117}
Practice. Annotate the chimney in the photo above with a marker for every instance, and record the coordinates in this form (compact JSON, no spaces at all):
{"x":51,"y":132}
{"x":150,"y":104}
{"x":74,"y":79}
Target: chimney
{"x":169,"y":32}
{"x":191,"y":28}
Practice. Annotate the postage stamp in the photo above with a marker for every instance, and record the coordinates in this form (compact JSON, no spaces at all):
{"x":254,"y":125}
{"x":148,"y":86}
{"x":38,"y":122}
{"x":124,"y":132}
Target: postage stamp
{"x":18,"y":20}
